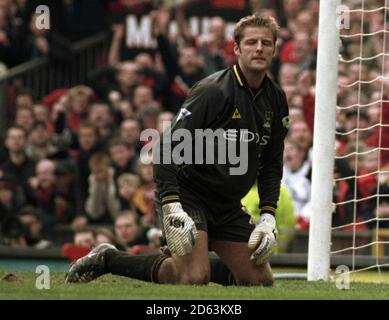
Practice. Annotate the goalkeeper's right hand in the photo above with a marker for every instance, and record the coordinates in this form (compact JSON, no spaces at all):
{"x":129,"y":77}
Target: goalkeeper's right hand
{"x":180,"y":229}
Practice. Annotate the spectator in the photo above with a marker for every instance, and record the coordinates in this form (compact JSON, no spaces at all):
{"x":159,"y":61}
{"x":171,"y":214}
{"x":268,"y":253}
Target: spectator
{"x":128,"y":184}
{"x":288,"y":74}
{"x":105,"y":235}
{"x":56,"y":207}
{"x":296,"y":178}
{"x":41,"y":114}
{"x":182,"y":71}
{"x":84,"y":238}
{"x":83,"y":242}
{"x":89,"y":143}
{"x":120,"y":79}
{"x":31,"y":219}
{"x":102,"y":204}
{"x":164,"y":120}
{"x":13,"y":233}
{"x":24,"y":118}
{"x":10,"y":199}
{"x":24,"y":99}
{"x":142,"y":97}
{"x":40,"y":145}
{"x":73,"y":108}
{"x":128,"y":230}
{"x":148,"y":117}
{"x":216,"y":49}
{"x":144,"y":196}
{"x":124,"y":157}
{"x":101,"y":116}
{"x":299,"y":50}
{"x":18,"y":167}
{"x":129,"y":131}
{"x":300,"y":132}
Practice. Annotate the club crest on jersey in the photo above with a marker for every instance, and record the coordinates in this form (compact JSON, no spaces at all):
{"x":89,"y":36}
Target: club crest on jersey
{"x":183,"y":114}
{"x":268,"y":119}
{"x":236,"y":114}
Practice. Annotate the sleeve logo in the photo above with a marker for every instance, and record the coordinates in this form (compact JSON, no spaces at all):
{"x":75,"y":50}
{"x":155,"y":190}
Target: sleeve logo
{"x":183,"y":114}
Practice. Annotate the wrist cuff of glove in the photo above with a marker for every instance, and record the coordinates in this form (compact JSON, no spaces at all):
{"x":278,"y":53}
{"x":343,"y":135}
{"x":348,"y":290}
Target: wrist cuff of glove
{"x":268,"y":209}
{"x":169,"y":198}
{"x":172,"y":207}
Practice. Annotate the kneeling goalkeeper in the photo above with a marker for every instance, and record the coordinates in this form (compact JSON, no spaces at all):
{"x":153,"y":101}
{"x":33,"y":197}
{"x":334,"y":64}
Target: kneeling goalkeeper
{"x":200,"y":203}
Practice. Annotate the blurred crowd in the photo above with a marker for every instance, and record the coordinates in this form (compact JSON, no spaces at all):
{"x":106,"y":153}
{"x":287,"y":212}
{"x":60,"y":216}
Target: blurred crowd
{"x":73,"y":157}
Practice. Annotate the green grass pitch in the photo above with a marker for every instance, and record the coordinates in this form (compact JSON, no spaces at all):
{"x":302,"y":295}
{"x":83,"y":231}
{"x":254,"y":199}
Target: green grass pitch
{"x":116,"y":288}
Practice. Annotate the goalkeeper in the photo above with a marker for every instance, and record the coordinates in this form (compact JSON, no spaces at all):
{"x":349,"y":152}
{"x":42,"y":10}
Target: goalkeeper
{"x":200,"y":203}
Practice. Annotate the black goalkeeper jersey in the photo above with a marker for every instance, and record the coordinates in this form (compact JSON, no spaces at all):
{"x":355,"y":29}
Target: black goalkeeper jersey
{"x":224,"y":101}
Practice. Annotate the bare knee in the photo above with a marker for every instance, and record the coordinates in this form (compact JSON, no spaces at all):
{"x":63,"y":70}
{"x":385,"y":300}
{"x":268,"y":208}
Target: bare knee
{"x":259,"y":277}
{"x":195,"y":277}
{"x":168,"y":273}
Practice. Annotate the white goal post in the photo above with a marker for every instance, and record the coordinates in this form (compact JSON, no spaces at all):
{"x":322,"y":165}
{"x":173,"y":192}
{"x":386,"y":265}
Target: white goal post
{"x":357,"y":117}
{"x":324,"y":142}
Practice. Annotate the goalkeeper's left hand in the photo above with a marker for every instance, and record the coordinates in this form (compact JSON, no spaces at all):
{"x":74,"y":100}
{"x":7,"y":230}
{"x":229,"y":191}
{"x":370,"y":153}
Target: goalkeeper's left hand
{"x":263,"y":239}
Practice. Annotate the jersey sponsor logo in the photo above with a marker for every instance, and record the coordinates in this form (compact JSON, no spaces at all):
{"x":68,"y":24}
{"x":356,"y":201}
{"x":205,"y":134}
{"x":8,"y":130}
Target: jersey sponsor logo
{"x":183,"y":114}
{"x":246,"y":136}
{"x":236,"y":114}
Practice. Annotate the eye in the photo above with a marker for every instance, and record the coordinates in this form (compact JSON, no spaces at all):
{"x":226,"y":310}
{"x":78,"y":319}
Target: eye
{"x":267,"y":43}
{"x":251,"y":42}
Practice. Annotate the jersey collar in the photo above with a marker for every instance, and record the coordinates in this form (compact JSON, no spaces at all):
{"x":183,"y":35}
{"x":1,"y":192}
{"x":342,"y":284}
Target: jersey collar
{"x":240,"y":78}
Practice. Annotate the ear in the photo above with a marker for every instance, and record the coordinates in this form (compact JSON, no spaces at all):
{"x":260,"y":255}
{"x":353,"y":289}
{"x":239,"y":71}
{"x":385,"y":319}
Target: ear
{"x":237,"y":49}
{"x":275,"y":48}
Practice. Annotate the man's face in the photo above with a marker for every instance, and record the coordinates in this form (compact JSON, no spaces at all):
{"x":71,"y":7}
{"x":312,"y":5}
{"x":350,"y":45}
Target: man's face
{"x":130,"y":130}
{"x":87,"y":138}
{"x":293,"y":157}
{"x":142,"y":96}
{"x":100,"y":116}
{"x":120,"y":155}
{"x":84,"y":239}
{"x":79,"y":104}
{"x":128,"y":74}
{"x":45,"y":174}
{"x":189,"y":60}
{"x":256,"y":49}
{"x":126,"y":229}
{"x":217,"y":29}
{"x":24,"y":101}
{"x":16,"y":140}
{"x":25,"y":119}
{"x":41,"y":113}
{"x":39,"y":136}
{"x":300,"y":132}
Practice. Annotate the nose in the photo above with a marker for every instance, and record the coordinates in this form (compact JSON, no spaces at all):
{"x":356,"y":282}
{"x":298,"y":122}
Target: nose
{"x":259,"y":46}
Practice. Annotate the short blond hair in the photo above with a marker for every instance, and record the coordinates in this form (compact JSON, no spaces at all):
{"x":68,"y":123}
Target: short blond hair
{"x":256,"y":20}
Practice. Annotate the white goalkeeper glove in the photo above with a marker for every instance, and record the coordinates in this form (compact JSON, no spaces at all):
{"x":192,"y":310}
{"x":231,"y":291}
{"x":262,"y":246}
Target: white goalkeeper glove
{"x":263,"y":239}
{"x":180,"y":229}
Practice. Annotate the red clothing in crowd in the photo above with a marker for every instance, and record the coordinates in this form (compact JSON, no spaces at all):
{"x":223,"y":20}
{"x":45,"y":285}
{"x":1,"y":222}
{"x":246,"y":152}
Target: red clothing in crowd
{"x":374,"y":140}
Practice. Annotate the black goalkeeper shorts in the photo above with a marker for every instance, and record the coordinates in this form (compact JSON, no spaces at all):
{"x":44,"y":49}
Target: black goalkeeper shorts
{"x":234,"y":227}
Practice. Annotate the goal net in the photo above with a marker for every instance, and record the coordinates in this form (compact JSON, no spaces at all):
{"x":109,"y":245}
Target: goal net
{"x":360,"y":221}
